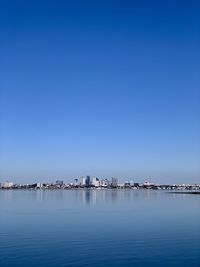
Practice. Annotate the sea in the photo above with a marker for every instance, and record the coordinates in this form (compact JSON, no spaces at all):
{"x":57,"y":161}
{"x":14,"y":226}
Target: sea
{"x":99,"y":228}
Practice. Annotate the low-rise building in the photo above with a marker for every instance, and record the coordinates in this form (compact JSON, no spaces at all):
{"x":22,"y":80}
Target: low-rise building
{"x":7,"y":184}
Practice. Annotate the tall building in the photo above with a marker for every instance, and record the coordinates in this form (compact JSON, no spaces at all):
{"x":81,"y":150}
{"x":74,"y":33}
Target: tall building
{"x":114,"y":182}
{"x":95,"y":182}
{"x":85,"y":181}
{"x":75,"y":182}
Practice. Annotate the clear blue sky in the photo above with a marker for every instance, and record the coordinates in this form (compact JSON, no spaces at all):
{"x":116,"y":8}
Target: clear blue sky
{"x":101,"y":88}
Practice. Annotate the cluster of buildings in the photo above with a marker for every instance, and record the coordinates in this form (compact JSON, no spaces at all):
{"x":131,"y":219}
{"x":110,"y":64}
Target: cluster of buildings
{"x":97,"y":183}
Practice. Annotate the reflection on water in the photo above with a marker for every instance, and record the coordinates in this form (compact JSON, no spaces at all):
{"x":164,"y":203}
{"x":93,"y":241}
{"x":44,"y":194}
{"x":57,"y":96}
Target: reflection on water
{"x":83,"y":227}
{"x":89,"y":196}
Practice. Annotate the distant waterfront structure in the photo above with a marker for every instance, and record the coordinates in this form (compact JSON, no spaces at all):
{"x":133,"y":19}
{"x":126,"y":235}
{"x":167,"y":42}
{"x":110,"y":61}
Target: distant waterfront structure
{"x":95,"y":182}
{"x":114,"y":182}
{"x":104,"y":183}
{"x":85,"y":181}
{"x":7,"y":184}
{"x":127,"y":184}
{"x":76,"y":182}
{"x":59,"y":182}
{"x":99,"y":183}
{"x":146,"y":183}
{"x":39,"y":185}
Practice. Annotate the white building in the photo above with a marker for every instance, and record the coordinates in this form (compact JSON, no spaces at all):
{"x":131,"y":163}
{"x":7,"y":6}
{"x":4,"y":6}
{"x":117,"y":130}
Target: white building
{"x":75,"y":182}
{"x":146,"y":183}
{"x":83,"y":181}
{"x":95,"y":182}
{"x":7,"y":184}
{"x":104,"y":183}
{"x":39,"y":185}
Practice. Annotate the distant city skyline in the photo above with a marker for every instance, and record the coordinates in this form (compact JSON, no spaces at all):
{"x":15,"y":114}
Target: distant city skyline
{"x":85,"y":182}
{"x":106,"y":88}
{"x":136,"y":176}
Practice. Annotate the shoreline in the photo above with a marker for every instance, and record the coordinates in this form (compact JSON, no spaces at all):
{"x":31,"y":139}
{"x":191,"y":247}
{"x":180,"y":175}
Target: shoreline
{"x":188,"y":193}
{"x":169,"y":191}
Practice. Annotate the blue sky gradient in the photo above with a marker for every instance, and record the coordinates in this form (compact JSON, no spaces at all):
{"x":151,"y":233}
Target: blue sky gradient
{"x":100,"y":87}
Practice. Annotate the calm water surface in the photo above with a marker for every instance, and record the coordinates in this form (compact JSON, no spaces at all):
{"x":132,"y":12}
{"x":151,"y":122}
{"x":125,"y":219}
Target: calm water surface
{"x":98,"y":228}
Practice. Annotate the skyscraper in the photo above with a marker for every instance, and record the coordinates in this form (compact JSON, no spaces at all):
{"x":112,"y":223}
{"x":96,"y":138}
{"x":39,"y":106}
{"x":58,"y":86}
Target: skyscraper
{"x":114,"y":182}
{"x":87,"y":181}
